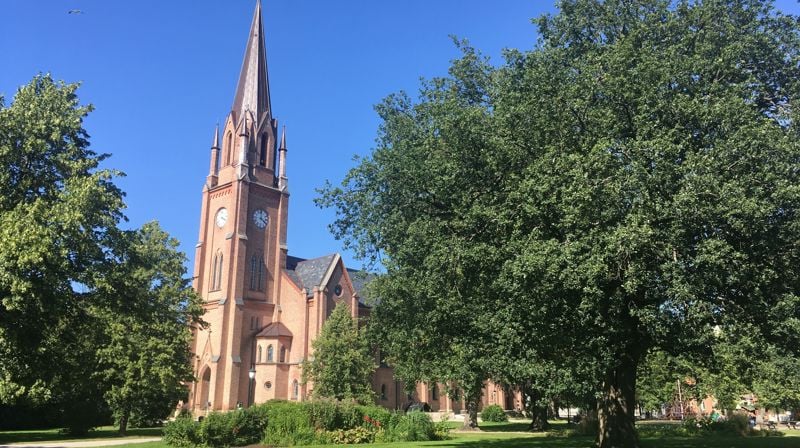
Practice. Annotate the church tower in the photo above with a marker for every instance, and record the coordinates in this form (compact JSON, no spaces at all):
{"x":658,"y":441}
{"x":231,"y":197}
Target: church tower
{"x":241,"y":251}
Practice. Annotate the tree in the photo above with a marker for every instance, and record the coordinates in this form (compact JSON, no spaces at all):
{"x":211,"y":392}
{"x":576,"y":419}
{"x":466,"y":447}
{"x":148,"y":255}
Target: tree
{"x":632,"y":176}
{"x":657,"y":201}
{"x":342,"y":363}
{"x":57,"y":208}
{"x":147,"y":321}
{"x":424,"y":205}
{"x":92,"y":318}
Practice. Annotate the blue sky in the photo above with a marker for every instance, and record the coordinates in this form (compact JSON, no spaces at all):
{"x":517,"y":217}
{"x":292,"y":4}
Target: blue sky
{"x":162,"y":73}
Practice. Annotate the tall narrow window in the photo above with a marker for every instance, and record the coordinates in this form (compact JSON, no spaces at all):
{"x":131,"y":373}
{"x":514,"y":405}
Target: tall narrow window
{"x":283,"y":354}
{"x":228,"y":148}
{"x":270,"y":356}
{"x":259,"y":354}
{"x":253,"y":272}
{"x":218,"y":283}
{"x":216,"y":272}
{"x":295,"y":390}
{"x":383,"y":391}
{"x":434,"y":392}
{"x":261,"y":269}
{"x":262,"y":158}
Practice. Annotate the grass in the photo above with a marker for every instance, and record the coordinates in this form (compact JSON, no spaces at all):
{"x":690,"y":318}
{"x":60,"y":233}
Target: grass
{"x":41,"y":435}
{"x":492,"y":435}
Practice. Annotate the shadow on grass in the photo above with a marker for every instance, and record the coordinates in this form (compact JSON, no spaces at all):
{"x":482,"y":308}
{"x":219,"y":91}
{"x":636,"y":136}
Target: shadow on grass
{"x":43,"y":435}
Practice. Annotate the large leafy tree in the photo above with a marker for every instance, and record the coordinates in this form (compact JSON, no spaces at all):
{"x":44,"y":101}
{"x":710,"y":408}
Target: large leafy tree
{"x":91,"y":317}
{"x":424,"y":203}
{"x":635,"y":176}
{"x":147,"y":322}
{"x":342,"y":364}
{"x":56,"y":210}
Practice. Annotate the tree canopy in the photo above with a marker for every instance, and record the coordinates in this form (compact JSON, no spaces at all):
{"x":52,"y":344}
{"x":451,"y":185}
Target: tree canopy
{"x":630,"y":184}
{"x":92,"y":318}
{"x":342,"y":362}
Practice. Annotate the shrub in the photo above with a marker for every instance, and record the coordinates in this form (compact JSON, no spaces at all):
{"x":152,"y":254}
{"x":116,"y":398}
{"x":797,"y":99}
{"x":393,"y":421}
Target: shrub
{"x":183,"y":432}
{"x":289,"y":424}
{"x":374,"y":416}
{"x":322,"y":414}
{"x":216,"y":430}
{"x":414,"y":427}
{"x":441,"y":429}
{"x":358,"y":434}
{"x":493,"y":413}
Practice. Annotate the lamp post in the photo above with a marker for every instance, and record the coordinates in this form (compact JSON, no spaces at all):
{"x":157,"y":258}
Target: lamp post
{"x":252,"y":375}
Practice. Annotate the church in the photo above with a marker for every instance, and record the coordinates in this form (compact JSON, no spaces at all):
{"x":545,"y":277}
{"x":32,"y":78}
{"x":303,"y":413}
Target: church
{"x":264,"y":307}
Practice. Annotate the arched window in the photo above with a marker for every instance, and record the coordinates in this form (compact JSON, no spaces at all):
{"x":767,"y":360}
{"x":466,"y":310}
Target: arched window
{"x":259,"y":354}
{"x":295,"y":389}
{"x":261,"y":269}
{"x":269,"y":353}
{"x":262,"y":157}
{"x":228,"y":148}
{"x":216,"y":272}
{"x":383,"y":391}
{"x":283,"y":354}
{"x":253,"y":272}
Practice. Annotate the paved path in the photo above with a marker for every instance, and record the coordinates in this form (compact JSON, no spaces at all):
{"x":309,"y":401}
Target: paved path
{"x":82,"y":443}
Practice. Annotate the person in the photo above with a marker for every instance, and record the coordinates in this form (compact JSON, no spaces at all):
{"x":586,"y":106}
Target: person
{"x":714,"y":415}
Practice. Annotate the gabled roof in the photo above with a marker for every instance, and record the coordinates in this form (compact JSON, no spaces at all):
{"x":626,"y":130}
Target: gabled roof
{"x":307,"y":274}
{"x":274,"y":330}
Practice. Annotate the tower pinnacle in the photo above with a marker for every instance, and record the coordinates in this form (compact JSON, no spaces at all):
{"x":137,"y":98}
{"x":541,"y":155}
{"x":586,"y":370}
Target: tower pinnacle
{"x":252,"y":91}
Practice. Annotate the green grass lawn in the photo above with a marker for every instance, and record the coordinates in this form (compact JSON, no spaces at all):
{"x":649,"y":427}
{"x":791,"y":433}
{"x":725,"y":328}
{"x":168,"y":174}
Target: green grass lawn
{"x":41,"y":435}
{"x":492,"y":435}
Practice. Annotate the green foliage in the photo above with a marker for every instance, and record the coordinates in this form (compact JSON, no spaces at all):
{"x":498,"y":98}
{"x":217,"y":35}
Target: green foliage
{"x":147,"y":328}
{"x":413,"y":426}
{"x":493,"y":413}
{"x":58,"y":212}
{"x":111,"y":306}
{"x":288,"y":424}
{"x":183,"y":432}
{"x":628,"y":185}
{"x":359,"y":434}
{"x":342,"y":364}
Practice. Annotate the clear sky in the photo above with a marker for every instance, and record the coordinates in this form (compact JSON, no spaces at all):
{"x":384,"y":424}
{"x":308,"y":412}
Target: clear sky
{"x":161,"y":73}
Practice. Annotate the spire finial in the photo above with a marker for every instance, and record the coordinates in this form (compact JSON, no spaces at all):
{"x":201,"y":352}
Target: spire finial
{"x":215,"y":143}
{"x":252,"y":92}
{"x":283,"y":139}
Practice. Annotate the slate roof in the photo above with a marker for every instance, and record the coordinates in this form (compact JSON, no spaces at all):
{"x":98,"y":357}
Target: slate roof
{"x":307,"y":274}
{"x":274,"y":330}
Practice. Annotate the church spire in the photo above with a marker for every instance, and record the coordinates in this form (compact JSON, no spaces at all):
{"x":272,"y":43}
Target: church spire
{"x":283,"y":182}
{"x":252,"y":91}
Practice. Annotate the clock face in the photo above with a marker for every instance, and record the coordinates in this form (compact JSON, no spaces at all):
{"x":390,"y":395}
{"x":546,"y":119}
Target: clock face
{"x":222,"y":217}
{"x":260,"y":218}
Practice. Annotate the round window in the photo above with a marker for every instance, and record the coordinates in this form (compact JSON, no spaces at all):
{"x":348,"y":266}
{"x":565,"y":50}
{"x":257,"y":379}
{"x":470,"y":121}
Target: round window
{"x":337,"y":290}
{"x":267,"y":385}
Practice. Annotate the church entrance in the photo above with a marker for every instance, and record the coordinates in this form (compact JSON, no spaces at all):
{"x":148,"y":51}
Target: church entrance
{"x":203,"y":388}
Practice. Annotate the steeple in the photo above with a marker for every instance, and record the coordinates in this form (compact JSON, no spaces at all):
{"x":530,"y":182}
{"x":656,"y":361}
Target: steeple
{"x":213,"y":168}
{"x":282,"y":180}
{"x":252,"y":92}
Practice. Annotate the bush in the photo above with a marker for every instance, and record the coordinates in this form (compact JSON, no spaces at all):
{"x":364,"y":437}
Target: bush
{"x":183,"y":432}
{"x":358,"y":434}
{"x":493,"y":413}
{"x":374,"y":416}
{"x":216,"y":430}
{"x":289,"y":424}
{"x":414,"y":427}
{"x":441,"y":429}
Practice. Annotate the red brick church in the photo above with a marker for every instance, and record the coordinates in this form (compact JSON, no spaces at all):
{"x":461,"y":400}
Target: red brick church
{"x":263,"y":306}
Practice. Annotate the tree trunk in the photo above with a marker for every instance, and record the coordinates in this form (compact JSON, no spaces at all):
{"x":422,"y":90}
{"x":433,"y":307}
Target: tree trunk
{"x":123,"y":422}
{"x":615,"y":407}
{"x":539,"y":421}
{"x":471,"y":418}
{"x":537,"y":408}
